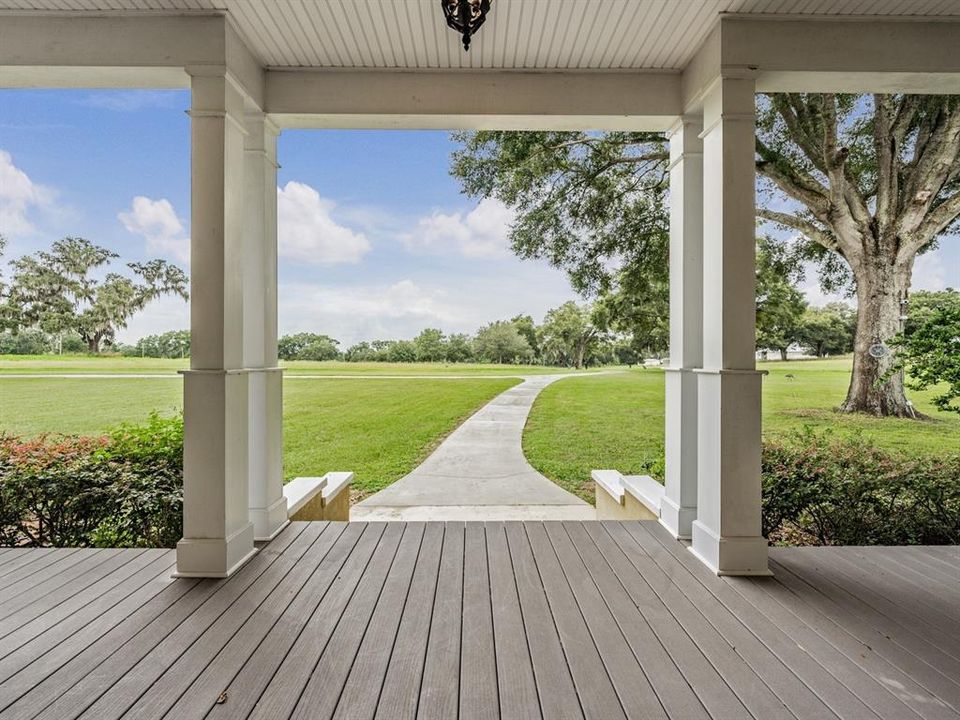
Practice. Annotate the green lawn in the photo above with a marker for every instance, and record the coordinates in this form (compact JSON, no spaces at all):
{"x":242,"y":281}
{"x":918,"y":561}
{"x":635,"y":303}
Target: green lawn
{"x":616,"y":421}
{"x":85,"y":364}
{"x":380,"y":429}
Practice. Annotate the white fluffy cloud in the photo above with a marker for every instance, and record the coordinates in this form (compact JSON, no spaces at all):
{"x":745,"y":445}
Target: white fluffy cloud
{"x":481,"y":233}
{"x":19,"y":196}
{"x":157,"y":222}
{"x":308,"y":233}
{"x":360,"y":312}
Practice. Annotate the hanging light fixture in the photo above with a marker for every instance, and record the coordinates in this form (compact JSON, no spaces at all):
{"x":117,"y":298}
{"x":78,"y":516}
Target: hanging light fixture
{"x":465,"y":16}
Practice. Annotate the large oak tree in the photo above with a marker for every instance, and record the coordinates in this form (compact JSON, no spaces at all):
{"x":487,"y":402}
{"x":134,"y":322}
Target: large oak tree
{"x":62,"y":289}
{"x":865,"y":183}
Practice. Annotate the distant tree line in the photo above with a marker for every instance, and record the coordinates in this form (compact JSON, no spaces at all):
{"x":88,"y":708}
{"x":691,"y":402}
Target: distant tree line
{"x":571,"y":335}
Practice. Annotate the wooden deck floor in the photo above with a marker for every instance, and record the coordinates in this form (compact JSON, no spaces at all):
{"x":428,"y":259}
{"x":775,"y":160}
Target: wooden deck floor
{"x":515,"y":620}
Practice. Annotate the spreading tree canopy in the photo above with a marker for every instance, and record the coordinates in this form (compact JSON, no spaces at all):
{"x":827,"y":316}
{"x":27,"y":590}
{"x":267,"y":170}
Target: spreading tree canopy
{"x":862,"y":183}
{"x":60,"y":290}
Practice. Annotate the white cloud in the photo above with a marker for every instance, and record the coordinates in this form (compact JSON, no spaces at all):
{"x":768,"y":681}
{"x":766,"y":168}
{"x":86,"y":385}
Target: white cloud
{"x":308,"y":233}
{"x":168,"y":312}
{"x":930,"y":272}
{"x":157,"y":222}
{"x":363,"y":312}
{"x":19,"y":195}
{"x":134,"y":100}
{"x":482,"y":233}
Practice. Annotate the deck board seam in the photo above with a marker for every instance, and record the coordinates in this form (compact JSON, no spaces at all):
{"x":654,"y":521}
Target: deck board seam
{"x":496,"y":669}
{"x":333,"y":629}
{"x":623,"y":635}
{"x":268,"y":592}
{"x":683,"y":626}
{"x":373,"y":612}
{"x":219,"y":587}
{"x":919,"y":681}
{"x":579,"y":611}
{"x":914,"y":628}
{"x":744,"y":659}
{"x":403,"y":609}
{"x":591,"y":631}
{"x":806,"y":682}
{"x":213,"y":621}
{"x":809,"y":628}
{"x":433,"y":608}
{"x":164,"y":570}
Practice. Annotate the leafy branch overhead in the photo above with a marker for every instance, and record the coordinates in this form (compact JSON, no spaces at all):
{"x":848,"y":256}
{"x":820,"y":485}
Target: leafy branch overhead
{"x":861,"y":183}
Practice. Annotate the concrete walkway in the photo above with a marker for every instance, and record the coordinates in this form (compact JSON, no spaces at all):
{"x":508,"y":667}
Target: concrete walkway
{"x":480,"y":473}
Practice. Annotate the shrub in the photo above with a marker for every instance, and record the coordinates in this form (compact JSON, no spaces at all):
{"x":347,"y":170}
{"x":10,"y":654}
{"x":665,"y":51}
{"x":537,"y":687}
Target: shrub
{"x":121,"y":490}
{"x":831,"y":491}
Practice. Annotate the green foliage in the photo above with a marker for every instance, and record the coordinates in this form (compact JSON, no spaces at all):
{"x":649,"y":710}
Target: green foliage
{"x":29,"y":341}
{"x":780,"y":305}
{"x":828,"y":330}
{"x":501,"y":342}
{"x":172,"y":344}
{"x":430,"y":345}
{"x":929,"y":349}
{"x":308,"y":346}
{"x":121,"y":490}
{"x":459,"y":348}
{"x":569,"y":336}
{"x":582,"y":197}
{"x":846,"y":491}
{"x":58,"y":290}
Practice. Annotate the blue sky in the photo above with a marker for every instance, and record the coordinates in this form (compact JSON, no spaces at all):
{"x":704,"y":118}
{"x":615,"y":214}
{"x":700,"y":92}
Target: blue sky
{"x":376,"y":240}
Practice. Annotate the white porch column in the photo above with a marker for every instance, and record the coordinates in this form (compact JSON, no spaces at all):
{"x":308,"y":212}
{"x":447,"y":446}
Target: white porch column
{"x":678,"y":508}
{"x":217,"y":533}
{"x":268,"y":506}
{"x":726,"y":533}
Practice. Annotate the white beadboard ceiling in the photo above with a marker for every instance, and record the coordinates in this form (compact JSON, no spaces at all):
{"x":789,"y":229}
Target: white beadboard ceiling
{"x":545,"y":34}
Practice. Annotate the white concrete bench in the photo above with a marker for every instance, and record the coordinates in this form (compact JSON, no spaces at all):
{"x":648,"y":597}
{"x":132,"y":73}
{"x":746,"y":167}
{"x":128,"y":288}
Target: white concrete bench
{"x":319,"y":498}
{"x":626,"y":497}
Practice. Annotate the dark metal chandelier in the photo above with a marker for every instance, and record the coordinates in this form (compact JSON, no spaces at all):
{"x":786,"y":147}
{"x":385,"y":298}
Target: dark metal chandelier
{"x":465,"y":16}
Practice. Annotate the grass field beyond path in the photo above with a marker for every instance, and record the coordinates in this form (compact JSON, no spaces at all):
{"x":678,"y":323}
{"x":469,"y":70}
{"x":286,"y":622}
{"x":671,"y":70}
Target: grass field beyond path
{"x":616,"y":421}
{"x":380,"y":429}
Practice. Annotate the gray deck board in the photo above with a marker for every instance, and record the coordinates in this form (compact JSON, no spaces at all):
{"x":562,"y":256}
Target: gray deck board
{"x":480,"y":621}
{"x":479,"y":694}
{"x":596,"y":691}
{"x":393,"y":561}
{"x":522,"y":627}
{"x":400,"y":693}
{"x":440,"y":686}
{"x":61,"y":624}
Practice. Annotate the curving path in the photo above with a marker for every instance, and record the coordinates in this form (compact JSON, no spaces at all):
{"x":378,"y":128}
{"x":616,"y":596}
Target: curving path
{"x":480,"y":473}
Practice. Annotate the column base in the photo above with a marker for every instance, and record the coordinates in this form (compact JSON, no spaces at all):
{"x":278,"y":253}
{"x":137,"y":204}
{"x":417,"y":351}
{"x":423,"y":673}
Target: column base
{"x":269,"y":521}
{"x":676,"y":519}
{"x":215,"y":557}
{"x":730,"y":555}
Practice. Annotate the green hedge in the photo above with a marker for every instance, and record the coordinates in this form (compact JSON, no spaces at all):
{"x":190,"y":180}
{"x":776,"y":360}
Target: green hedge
{"x":820,"y":490}
{"x":121,"y":490}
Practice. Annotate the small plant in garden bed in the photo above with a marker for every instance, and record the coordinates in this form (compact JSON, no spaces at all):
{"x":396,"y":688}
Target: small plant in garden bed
{"x":124,"y":489}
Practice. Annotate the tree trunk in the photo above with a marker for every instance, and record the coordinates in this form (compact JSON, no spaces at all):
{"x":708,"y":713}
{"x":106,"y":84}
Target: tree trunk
{"x":880,"y":289}
{"x":93,"y":345}
{"x":783,"y":354}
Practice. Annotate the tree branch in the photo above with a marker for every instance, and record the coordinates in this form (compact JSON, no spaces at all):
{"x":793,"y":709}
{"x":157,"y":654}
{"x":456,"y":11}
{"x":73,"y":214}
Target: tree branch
{"x":812,"y":231}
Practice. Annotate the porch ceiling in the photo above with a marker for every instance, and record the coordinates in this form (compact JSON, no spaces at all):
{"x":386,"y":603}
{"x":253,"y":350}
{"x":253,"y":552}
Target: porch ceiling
{"x":527,"y":34}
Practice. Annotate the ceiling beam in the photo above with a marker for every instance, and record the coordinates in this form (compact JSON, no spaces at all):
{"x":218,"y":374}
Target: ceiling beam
{"x":474,"y":100}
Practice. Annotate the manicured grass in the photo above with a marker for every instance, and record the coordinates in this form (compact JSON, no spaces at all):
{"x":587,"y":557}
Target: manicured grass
{"x":83,"y":406}
{"x":616,"y":421}
{"x":380,"y":429}
{"x":85,"y":364}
